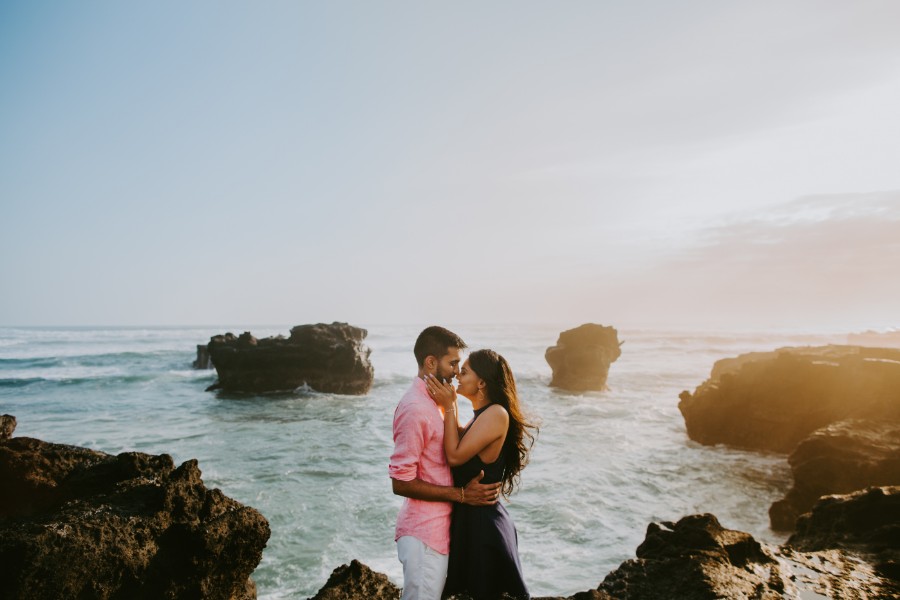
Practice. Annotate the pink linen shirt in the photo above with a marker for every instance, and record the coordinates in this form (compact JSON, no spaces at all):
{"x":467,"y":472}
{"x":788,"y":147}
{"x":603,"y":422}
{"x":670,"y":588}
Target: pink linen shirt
{"x":419,"y":454}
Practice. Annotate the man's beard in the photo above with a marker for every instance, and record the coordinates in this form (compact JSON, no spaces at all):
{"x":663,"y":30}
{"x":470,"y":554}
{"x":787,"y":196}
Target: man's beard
{"x":444,"y":378}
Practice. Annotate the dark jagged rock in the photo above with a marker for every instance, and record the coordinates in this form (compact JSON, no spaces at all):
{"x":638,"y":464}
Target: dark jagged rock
{"x":7,"y":426}
{"x":838,"y":459}
{"x":203,"y":360}
{"x":867,"y":522}
{"x":581,"y":358}
{"x":76,"y":523}
{"x":771,"y":401}
{"x":356,"y":581}
{"x":696,"y":558}
{"x":327,"y":358}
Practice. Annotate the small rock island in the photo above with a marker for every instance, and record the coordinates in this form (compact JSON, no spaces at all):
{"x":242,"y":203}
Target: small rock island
{"x":581,"y":357}
{"x":327,"y":358}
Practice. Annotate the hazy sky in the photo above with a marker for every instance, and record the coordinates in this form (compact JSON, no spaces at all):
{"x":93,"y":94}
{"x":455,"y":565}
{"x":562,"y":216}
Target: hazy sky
{"x":689,"y":164}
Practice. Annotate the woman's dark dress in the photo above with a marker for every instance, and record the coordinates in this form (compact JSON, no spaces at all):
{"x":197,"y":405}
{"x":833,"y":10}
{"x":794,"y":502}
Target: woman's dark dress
{"x":484,"y":556}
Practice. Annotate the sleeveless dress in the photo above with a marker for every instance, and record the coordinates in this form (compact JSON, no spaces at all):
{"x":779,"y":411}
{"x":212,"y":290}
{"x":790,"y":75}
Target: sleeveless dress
{"x":484,"y":555}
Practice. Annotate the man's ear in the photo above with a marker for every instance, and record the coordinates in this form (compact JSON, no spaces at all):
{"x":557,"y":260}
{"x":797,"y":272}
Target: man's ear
{"x":430,"y":363}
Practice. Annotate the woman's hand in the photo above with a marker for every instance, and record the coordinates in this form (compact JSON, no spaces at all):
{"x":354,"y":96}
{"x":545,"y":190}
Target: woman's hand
{"x":443,"y":393}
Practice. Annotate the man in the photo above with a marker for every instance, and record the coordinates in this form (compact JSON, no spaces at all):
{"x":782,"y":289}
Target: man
{"x":420,"y":473}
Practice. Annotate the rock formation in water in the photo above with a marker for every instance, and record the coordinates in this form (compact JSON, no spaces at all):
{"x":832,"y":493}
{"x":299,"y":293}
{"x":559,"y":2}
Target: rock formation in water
{"x":581,"y":358}
{"x":356,"y":581}
{"x":327,"y":358}
{"x":698,"y":559}
{"x":773,"y":400}
{"x":203,"y":360}
{"x":76,"y":523}
{"x":838,"y":459}
{"x":865,"y":522}
{"x":7,"y":427}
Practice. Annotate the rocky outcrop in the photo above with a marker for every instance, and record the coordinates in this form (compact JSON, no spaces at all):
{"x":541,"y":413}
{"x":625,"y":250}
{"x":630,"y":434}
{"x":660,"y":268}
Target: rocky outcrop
{"x":327,"y":358}
{"x":866,"y":522}
{"x":203,"y":360}
{"x":7,"y":426}
{"x":76,"y":523}
{"x":838,"y":459}
{"x":356,"y":581}
{"x":698,"y":559}
{"x":773,"y":400}
{"x":581,"y":358}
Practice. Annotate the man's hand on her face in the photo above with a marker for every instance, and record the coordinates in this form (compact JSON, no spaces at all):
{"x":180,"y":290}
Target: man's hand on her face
{"x":443,"y":393}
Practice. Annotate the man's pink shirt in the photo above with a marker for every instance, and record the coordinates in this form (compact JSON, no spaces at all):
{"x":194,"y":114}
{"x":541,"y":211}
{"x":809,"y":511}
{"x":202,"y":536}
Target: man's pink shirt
{"x":419,"y":454}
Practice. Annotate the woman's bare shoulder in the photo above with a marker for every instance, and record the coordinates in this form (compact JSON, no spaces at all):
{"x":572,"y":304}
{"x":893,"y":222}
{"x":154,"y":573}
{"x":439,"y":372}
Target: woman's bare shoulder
{"x":497,"y":411}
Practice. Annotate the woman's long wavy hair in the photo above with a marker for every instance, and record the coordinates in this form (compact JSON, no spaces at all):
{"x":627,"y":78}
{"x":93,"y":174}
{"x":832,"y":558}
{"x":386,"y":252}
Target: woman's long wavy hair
{"x":501,"y":389}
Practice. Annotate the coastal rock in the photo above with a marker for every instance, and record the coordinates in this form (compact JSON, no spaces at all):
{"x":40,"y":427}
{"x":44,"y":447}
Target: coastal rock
{"x":840,"y":458}
{"x":356,"y":581}
{"x":203,"y":360}
{"x":327,"y":358}
{"x":773,"y":400}
{"x":867,"y":522}
{"x":7,"y":426}
{"x":696,"y":558}
{"x":581,"y":358}
{"x":77,"y":523}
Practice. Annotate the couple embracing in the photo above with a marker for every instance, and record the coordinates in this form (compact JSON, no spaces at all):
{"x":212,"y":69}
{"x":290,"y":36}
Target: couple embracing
{"x":453,"y":536}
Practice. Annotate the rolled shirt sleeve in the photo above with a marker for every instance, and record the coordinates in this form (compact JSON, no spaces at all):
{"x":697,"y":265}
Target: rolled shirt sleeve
{"x":409,"y":441}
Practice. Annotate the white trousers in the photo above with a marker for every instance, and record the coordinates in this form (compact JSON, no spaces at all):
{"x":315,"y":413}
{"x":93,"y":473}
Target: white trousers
{"x":424,"y":569}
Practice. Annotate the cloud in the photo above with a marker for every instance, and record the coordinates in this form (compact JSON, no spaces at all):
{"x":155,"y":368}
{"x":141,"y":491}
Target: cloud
{"x":820,"y":261}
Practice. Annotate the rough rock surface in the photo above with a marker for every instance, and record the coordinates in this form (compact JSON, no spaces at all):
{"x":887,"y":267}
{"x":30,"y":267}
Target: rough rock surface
{"x":866,"y":522}
{"x":76,"y":523}
{"x":203,"y":360}
{"x":356,"y":581}
{"x":327,"y":358}
{"x":581,"y":358}
{"x":838,"y":459}
{"x":696,"y":558}
{"x":773,"y":400}
{"x":7,"y":426}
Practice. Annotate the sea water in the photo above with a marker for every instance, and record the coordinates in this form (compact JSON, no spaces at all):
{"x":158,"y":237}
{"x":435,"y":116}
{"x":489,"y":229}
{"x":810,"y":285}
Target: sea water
{"x":605,"y":464}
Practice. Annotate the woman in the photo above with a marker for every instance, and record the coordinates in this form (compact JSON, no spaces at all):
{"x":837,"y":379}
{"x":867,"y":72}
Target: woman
{"x":484,"y":557}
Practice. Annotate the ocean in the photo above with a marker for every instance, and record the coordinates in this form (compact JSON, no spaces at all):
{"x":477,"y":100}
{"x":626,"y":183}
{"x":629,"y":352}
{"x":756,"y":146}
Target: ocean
{"x":604,"y":466}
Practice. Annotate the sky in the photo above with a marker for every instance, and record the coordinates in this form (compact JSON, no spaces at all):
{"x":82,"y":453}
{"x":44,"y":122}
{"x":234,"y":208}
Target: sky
{"x":692,"y":164}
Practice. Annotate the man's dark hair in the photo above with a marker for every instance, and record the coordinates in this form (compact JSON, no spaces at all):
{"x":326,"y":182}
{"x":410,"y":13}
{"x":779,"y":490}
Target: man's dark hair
{"x":436,"y":341}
